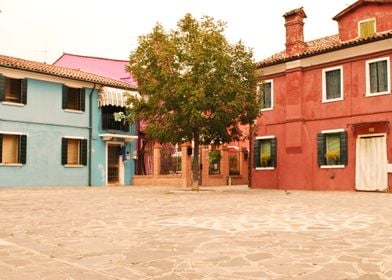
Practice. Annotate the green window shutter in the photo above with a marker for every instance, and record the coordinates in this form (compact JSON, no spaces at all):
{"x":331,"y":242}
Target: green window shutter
{"x":82,"y":99}
{"x":256,"y":153}
{"x":64,"y":150}
{"x":83,"y":151}
{"x":2,"y":88}
{"x":23,"y":93}
{"x":343,"y":148}
{"x":273,"y":152}
{"x":321,"y":149}
{"x":23,"y":149}
{"x":1,"y":148}
{"x":65,"y":97}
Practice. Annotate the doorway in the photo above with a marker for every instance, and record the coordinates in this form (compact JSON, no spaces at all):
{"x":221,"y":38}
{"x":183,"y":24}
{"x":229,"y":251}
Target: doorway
{"x":114,"y":165}
{"x":371,"y":163}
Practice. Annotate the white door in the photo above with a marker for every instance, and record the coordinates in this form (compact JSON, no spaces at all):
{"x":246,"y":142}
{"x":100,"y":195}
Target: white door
{"x":371,"y":163}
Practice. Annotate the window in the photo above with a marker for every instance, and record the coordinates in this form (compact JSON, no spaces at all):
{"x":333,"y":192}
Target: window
{"x":367,"y":28}
{"x":333,"y":84}
{"x":13,"y":149}
{"x":73,"y":98}
{"x":265,"y":152}
{"x":378,"y":76}
{"x":267,"y":97}
{"x":73,"y":151}
{"x":332,"y":148}
{"x":13,"y":90}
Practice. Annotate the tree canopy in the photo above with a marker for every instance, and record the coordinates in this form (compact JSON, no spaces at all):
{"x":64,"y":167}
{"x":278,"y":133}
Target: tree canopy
{"x":195,"y":85}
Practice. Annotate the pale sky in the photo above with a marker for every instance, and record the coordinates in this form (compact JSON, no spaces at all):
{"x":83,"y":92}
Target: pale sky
{"x":42,"y":30}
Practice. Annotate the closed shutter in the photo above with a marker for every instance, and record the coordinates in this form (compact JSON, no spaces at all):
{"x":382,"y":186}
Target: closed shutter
{"x":256,"y":154}
{"x":83,"y":151}
{"x":2,"y":88}
{"x":343,"y":148}
{"x":1,"y":148}
{"x":23,"y":93}
{"x":273,"y":152}
{"x":23,"y":149}
{"x":64,"y":150}
{"x":320,"y":149}
{"x":82,"y":99}
{"x":65,"y":97}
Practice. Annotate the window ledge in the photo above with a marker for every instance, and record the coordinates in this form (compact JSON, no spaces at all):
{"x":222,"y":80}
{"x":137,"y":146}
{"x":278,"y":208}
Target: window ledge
{"x":368,"y":94}
{"x":265,"y":168}
{"x":73,"y":111}
{"x":332,"y":100}
{"x":13,"y":104}
{"x":266,"y":109}
{"x":332,"y":166}
{"x":73,"y":166}
{"x":11,"y":164}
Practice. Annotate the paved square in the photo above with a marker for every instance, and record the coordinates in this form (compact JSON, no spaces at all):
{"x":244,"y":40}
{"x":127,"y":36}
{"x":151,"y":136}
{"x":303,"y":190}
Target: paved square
{"x":218,"y":233}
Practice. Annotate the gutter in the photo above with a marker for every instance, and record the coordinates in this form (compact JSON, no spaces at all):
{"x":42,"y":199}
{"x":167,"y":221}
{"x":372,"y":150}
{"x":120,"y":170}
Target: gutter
{"x":90,"y":135}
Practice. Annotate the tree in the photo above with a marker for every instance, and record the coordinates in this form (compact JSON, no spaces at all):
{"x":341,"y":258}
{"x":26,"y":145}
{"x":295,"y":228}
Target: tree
{"x":196,"y":86}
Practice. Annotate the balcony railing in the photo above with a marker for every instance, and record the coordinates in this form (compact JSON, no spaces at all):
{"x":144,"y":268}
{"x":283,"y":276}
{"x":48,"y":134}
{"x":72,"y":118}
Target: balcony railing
{"x":108,"y":122}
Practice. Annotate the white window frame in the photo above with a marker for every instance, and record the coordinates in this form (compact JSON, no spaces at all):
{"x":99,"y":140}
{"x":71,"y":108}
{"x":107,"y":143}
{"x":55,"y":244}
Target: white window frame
{"x":267,"y":137}
{"x":75,"y":165}
{"x":332,"y":131}
{"x":388,"y":91}
{"x":272,"y":94}
{"x":324,"y":86}
{"x":366,"y":20}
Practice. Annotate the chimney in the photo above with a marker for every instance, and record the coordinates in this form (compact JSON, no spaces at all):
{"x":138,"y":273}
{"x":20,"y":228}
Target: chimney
{"x":295,"y":31}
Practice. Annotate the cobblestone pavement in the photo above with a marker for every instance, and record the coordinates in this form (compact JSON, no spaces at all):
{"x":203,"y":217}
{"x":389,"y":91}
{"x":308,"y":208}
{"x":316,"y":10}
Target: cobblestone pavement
{"x":217,"y":233}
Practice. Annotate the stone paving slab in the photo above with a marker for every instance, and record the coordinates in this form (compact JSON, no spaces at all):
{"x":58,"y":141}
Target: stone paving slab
{"x":219,"y":233}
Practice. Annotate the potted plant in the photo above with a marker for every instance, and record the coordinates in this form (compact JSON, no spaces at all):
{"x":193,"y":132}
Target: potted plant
{"x":332,"y":157}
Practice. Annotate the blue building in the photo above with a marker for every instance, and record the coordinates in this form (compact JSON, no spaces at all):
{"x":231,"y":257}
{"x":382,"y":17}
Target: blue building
{"x":57,"y":127}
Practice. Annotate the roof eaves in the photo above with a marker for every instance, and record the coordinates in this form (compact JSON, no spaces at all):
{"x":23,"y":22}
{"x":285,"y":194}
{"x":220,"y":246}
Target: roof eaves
{"x":343,"y":45}
{"x":358,"y":4}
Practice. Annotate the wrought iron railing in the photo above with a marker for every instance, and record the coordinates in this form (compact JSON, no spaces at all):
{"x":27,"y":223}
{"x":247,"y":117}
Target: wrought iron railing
{"x":108,"y":122}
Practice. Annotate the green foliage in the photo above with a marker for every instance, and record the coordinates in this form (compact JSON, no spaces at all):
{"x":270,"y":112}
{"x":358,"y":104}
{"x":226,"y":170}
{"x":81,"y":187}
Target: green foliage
{"x":196,"y":85}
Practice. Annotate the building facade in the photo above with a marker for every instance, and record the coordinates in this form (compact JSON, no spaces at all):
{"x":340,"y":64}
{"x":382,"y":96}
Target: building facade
{"x":53,"y":131}
{"x":327,"y":106}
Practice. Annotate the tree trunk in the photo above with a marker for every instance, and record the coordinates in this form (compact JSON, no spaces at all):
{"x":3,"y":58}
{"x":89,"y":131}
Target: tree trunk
{"x":195,"y":167}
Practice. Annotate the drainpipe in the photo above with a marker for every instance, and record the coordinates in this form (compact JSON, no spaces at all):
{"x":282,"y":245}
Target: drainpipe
{"x":90,"y":135}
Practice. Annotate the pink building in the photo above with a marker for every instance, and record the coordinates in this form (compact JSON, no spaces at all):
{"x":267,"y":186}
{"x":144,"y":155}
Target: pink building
{"x":327,"y":105}
{"x":105,"y":67}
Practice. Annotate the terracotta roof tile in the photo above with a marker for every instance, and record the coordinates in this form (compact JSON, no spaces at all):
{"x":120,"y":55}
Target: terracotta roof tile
{"x":322,"y":45}
{"x":58,"y":71}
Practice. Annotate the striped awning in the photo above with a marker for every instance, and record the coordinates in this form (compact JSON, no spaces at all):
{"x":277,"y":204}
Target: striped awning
{"x":114,"y":96}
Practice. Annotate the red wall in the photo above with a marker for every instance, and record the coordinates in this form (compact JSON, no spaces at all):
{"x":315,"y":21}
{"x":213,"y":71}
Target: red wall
{"x":299,"y":115}
{"x":348,"y":24}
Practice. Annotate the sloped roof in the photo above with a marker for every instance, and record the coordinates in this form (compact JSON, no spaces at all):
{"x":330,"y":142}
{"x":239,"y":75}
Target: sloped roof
{"x":58,"y":71}
{"x":106,"y":67}
{"x":358,"y":4}
{"x":322,"y":45}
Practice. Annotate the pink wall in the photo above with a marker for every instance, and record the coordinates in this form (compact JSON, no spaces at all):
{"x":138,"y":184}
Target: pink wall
{"x":110,"y":68}
{"x":348,"y":23}
{"x":301,"y":91}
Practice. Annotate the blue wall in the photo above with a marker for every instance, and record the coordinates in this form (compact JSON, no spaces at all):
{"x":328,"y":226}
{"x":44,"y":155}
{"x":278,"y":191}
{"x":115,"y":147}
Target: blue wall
{"x":99,"y":149}
{"x":44,"y":122}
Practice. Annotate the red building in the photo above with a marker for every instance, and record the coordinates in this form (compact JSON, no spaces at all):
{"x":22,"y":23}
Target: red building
{"x":327,"y":105}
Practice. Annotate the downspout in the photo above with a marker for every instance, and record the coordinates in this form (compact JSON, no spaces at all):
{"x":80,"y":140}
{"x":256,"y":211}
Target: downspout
{"x":90,"y":135}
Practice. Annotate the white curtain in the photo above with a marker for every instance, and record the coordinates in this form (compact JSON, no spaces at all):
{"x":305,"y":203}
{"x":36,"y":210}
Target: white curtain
{"x":371,"y":164}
